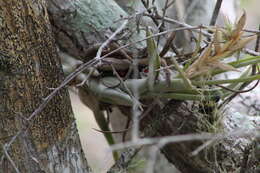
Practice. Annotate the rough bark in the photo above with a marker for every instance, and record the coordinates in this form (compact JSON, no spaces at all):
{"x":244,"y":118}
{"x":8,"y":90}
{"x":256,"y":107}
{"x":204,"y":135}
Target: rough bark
{"x":178,"y":118}
{"x":29,"y":68}
{"x":80,"y":25}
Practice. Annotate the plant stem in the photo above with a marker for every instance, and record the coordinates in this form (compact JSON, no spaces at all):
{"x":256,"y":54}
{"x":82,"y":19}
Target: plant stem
{"x":214,"y":82}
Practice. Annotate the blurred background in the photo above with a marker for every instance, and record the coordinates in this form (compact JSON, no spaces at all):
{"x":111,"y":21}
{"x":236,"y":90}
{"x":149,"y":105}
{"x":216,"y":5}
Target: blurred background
{"x":93,"y":142}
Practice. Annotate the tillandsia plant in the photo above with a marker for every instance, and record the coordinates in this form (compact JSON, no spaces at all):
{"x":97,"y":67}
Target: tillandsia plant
{"x":225,"y":43}
{"x":121,"y":75}
{"x":191,"y":81}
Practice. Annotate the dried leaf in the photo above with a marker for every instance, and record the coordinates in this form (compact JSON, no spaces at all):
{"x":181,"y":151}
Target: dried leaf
{"x":199,"y":64}
{"x":239,"y":26}
{"x":223,"y":66}
{"x":205,"y":55}
{"x":222,"y":55}
{"x":209,"y":61}
{"x":241,"y":43}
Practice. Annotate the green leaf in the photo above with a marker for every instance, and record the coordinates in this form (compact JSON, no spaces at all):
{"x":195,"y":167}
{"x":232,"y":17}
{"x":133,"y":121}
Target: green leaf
{"x":154,"y":60}
{"x":235,"y":86}
{"x":240,"y":63}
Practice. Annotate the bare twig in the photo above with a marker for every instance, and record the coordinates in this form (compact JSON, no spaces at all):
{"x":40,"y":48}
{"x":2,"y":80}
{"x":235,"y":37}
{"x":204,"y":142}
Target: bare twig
{"x":122,"y":51}
{"x":252,"y":31}
{"x":124,"y":160}
{"x":215,"y":13}
{"x":152,"y":159}
{"x":257,"y":44}
{"x":204,"y":145}
{"x":136,"y":107}
{"x":110,"y":39}
{"x":182,"y":138}
{"x":168,"y":44}
{"x":136,"y":114}
{"x":254,"y":66}
{"x":252,"y":52}
{"x":10,"y":159}
{"x":162,"y":24}
{"x":244,"y":164}
{"x":127,"y":126}
{"x":169,"y":20}
{"x":239,"y":91}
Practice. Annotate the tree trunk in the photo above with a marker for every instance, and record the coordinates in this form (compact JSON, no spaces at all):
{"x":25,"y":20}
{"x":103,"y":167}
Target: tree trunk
{"x":29,"y":68}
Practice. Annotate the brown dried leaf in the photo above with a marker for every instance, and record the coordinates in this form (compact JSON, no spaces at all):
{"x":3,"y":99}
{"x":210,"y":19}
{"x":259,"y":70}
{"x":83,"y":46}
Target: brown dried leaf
{"x":221,"y":56}
{"x":205,"y":55}
{"x":239,"y":26}
{"x":241,"y":43}
{"x":231,"y":42}
{"x":222,"y":66}
{"x":208,"y":62}
{"x":200,"y":64}
{"x":197,"y":72}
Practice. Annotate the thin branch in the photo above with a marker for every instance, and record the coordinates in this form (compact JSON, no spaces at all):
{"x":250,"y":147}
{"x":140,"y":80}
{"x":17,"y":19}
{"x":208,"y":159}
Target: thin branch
{"x":123,"y":83}
{"x":182,"y":138}
{"x":162,"y":25}
{"x":252,"y":52}
{"x":171,"y":3}
{"x":215,"y":13}
{"x":239,"y":91}
{"x":10,"y":159}
{"x":136,"y":114}
{"x":257,"y":44}
{"x":152,"y":159}
{"x":124,"y":160}
{"x":169,"y":20}
{"x":200,"y":148}
{"x":98,"y":56}
{"x":168,"y":44}
{"x":254,"y":66}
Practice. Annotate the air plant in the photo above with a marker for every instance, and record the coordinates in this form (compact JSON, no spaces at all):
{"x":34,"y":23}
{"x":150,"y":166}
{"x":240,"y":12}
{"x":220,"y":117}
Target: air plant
{"x":110,"y":84}
{"x":225,"y":43}
{"x":194,"y":81}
